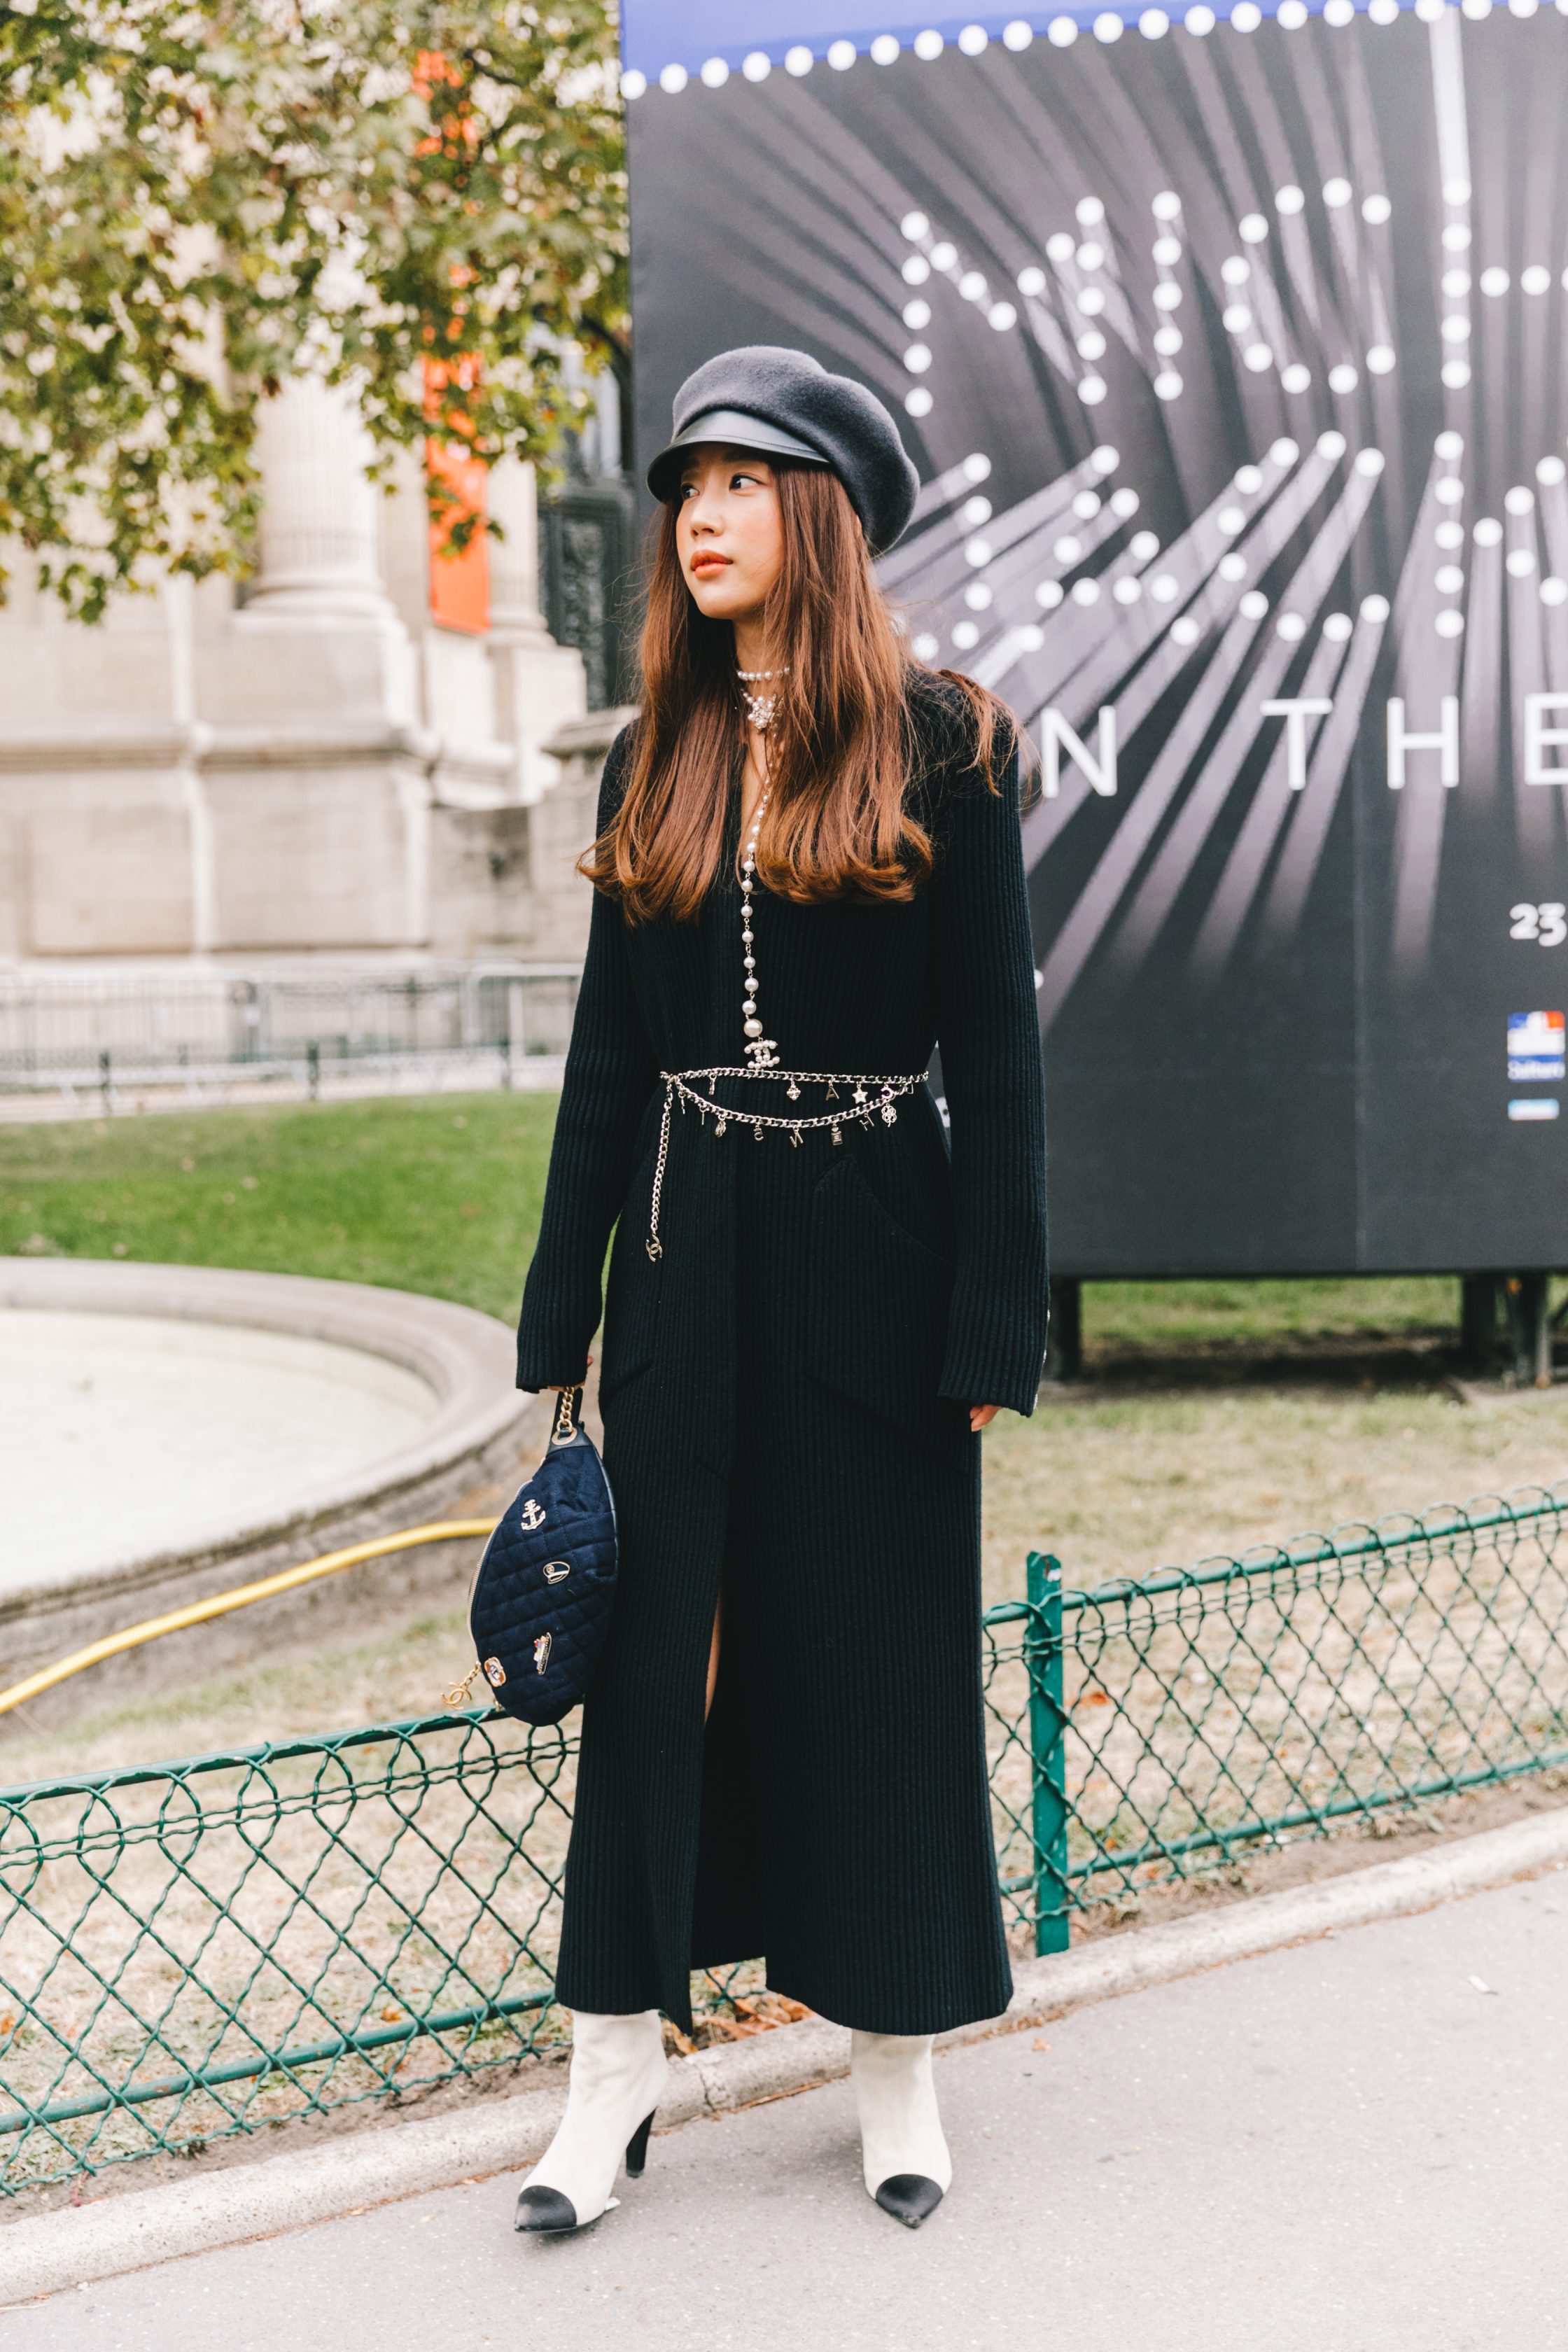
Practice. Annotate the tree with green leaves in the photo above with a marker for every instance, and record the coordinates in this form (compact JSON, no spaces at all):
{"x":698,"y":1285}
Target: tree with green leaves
{"x":423,"y":199}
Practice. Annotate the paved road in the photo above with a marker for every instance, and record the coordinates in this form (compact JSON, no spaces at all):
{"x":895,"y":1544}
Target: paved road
{"x":1346,"y":2147}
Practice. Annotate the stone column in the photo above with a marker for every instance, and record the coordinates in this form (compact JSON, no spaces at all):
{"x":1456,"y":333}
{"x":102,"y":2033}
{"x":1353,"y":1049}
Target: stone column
{"x":318,"y":775}
{"x":515,"y":615}
{"x":319,"y":510}
{"x":539,"y":684}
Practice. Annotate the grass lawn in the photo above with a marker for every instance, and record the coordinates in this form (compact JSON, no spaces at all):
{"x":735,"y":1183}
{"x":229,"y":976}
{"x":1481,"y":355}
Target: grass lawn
{"x":440,"y":1194}
{"x":1135,"y":1317}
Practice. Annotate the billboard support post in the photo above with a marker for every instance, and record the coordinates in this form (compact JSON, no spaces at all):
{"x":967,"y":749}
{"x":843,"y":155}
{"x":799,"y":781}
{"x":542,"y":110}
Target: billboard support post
{"x":1530,"y":1302}
{"x":1063,"y":1351}
{"x":1478,"y":1296}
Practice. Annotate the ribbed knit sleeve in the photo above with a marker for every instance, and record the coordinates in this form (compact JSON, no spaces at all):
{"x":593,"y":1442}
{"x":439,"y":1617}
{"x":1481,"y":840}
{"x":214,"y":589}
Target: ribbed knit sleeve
{"x":987,"y":1028}
{"x":610,"y":1074}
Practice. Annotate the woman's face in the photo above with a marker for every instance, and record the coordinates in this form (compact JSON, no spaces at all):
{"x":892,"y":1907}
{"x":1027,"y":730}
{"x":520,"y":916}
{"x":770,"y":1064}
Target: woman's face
{"x":729,"y":532}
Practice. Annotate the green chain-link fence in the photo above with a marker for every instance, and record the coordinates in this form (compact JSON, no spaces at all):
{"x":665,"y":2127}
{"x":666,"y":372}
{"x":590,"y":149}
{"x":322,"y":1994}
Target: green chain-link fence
{"x":198,"y":1949}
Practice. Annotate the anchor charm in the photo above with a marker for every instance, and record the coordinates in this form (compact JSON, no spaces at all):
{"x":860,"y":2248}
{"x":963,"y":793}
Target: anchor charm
{"x":531,"y":1515}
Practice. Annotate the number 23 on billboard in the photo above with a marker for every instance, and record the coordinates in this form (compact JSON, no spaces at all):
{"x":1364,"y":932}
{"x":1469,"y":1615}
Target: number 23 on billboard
{"x":1547,"y":924}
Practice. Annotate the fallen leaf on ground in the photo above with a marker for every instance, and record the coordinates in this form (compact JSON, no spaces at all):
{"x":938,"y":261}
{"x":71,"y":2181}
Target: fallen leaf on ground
{"x":780,"y":2009}
{"x":1040,"y":2041}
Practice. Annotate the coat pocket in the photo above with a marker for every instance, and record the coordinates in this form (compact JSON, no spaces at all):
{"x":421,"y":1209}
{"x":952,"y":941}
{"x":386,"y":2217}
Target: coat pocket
{"x":876,"y":1330}
{"x":631,"y":1291}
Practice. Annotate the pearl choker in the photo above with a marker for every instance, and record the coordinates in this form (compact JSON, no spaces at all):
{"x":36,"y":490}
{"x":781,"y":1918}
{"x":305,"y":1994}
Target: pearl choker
{"x":760,"y":708}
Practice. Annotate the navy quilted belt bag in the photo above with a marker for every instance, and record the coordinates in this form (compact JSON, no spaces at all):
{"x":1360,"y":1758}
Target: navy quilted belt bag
{"x":540,"y":1602}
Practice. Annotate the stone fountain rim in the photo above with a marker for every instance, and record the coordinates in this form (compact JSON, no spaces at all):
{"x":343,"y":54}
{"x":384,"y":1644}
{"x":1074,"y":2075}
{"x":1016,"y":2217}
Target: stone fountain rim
{"x":466,"y":1358}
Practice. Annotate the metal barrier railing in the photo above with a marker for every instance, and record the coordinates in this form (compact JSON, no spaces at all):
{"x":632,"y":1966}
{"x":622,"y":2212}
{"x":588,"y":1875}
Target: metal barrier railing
{"x":1178,"y":1721}
{"x":101,"y":1034}
{"x":194,"y":1950}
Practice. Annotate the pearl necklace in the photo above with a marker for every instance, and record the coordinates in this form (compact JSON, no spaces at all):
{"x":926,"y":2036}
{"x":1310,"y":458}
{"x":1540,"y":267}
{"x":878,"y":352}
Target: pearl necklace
{"x":680,"y":1086}
{"x":762,"y":1052}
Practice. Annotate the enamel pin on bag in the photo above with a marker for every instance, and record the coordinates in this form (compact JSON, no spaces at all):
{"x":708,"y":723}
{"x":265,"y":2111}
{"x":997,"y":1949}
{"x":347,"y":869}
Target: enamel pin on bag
{"x":540,"y":1602}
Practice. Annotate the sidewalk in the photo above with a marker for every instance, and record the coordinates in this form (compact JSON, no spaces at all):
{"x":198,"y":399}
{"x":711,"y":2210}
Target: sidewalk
{"x":1344,"y":2147}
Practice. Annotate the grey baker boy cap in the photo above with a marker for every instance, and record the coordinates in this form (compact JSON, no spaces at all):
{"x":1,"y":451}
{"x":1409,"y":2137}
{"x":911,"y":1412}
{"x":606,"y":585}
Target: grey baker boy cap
{"x":785,"y":404}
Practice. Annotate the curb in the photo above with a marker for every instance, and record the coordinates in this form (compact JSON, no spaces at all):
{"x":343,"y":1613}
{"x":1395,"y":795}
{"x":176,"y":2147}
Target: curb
{"x":81,"y":2244}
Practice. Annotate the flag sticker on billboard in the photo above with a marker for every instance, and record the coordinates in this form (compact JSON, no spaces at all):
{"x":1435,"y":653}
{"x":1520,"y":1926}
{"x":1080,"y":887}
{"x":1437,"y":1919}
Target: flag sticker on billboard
{"x":1535,"y":1048}
{"x":1534,"y":1107}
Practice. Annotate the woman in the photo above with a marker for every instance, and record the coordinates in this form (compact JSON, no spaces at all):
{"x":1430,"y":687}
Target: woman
{"x":808,"y":873}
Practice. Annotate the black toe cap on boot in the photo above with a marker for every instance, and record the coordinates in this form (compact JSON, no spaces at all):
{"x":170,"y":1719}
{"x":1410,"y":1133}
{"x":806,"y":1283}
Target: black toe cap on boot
{"x":909,"y":2197}
{"x":546,"y":2209}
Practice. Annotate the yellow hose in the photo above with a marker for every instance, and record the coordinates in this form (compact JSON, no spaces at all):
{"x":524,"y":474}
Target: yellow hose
{"x":240,"y":1597}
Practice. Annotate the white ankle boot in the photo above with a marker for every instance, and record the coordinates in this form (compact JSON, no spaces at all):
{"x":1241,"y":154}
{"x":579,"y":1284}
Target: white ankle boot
{"x":618,"y":2070}
{"x":907,"y":2166}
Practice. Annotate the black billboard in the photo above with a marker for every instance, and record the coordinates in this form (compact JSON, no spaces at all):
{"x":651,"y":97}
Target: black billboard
{"x":1232,"y":355}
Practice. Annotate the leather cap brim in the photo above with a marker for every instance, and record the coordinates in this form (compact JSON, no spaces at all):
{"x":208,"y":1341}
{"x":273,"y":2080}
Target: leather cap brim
{"x":729,"y":428}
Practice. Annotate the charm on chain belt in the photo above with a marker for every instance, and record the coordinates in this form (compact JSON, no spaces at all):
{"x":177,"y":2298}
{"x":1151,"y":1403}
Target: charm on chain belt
{"x":874,"y":1097}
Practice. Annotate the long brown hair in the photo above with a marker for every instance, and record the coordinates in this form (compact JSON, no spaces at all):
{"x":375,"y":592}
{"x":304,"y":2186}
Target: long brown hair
{"x":841,"y":750}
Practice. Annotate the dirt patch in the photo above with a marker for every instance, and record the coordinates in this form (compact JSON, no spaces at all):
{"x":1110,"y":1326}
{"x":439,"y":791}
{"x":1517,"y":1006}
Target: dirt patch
{"x":1153,"y":1461}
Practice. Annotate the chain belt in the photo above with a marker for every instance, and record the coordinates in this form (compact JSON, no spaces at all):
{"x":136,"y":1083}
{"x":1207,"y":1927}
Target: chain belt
{"x":871,"y":1097}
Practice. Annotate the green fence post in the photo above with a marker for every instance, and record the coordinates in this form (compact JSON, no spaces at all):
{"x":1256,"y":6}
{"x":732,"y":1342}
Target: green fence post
{"x":1047,"y":1750}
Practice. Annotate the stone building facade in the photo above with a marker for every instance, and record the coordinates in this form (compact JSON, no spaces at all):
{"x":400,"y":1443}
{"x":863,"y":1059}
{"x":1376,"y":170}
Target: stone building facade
{"x":317,"y":767}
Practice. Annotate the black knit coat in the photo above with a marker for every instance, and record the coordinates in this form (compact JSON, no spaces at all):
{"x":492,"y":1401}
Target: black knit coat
{"x":785,"y":1393}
